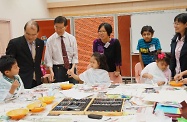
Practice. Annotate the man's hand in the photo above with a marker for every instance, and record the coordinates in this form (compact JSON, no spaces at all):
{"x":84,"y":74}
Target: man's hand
{"x":116,"y":73}
{"x":184,"y":80}
{"x":178,"y":77}
{"x":51,"y":77}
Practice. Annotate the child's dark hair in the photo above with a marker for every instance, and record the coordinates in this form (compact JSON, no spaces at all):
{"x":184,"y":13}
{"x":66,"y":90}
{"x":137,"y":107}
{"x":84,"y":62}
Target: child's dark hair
{"x":147,"y":28}
{"x":161,"y":56}
{"x":101,"y":59}
{"x":6,"y":63}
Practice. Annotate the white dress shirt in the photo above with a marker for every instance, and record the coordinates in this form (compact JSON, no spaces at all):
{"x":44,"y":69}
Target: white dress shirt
{"x":53,"y":52}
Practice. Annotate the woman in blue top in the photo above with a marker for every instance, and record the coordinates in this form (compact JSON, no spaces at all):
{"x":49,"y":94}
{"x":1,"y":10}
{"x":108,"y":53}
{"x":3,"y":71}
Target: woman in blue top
{"x":148,"y":46}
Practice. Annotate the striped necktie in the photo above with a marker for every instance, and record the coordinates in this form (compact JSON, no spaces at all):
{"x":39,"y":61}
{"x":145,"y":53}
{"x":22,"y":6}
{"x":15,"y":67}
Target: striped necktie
{"x":64,"y":54}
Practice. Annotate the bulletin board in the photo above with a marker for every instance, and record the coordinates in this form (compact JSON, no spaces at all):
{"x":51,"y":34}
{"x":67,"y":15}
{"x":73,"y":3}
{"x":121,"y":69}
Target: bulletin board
{"x":162,"y":24}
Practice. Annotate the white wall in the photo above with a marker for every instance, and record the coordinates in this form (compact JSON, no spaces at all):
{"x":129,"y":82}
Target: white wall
{"x":162,"y":24}
{"x":21,"y":11}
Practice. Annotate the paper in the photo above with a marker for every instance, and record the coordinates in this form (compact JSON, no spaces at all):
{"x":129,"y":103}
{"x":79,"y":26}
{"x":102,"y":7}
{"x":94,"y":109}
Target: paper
{"x":167,"y":95}
{"x":167,"y":109}
{"x":73,"y":93}
{"x":127,"y":90}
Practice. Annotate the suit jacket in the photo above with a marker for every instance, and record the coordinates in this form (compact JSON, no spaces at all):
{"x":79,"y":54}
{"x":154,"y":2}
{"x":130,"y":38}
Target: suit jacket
{"x":19,"y":48}
{"x":183,"y":56}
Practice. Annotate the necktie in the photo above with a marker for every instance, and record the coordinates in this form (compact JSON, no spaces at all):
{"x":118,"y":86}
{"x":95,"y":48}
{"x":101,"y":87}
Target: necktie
{"x":64,"y":54}
{"x":33,"y":52}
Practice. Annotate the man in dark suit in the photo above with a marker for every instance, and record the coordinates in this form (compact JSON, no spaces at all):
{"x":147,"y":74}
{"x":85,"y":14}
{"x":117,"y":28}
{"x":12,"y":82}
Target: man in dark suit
{"x":28,"y":50}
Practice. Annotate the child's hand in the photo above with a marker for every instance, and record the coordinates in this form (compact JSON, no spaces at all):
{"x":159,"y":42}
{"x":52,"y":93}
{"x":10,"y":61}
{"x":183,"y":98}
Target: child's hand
{"x":160,"y":83}
{"x":149,"y":76}
{"x":178,"y":77}
{"x":14,"y":86}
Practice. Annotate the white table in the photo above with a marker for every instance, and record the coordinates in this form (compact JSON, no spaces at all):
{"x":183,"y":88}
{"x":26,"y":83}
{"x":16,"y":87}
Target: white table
{"x":137,"y":111}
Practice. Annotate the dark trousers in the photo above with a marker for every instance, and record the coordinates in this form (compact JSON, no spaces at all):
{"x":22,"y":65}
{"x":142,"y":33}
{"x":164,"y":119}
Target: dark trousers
{"x":60,"y":74}
{"x":34,"y":83}
{"x":145,"y":65}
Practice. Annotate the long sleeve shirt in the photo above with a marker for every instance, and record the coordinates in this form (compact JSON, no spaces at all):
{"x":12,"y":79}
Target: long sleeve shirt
{"x":5,"y":85}
{"x":112,"y":52}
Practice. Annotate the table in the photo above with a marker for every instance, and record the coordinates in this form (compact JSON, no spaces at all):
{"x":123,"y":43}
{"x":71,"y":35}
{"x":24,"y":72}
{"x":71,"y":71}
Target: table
{"x":138,"y":108}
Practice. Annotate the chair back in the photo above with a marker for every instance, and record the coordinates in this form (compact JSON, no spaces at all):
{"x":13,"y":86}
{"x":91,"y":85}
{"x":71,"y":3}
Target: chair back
{"x":114,"y":78}
{"x":138,"y":69}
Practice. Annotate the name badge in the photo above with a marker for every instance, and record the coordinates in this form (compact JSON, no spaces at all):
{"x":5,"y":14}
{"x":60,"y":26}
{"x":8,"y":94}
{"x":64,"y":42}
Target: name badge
{"x":106,"y":45}
{"x":152,"y":48}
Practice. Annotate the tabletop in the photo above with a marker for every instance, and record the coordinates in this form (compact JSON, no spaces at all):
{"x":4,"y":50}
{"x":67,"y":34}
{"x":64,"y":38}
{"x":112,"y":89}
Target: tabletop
{"x":139,"y":100}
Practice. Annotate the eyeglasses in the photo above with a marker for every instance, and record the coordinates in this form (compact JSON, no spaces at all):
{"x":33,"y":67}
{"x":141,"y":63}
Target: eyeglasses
{"x":101,"y":31}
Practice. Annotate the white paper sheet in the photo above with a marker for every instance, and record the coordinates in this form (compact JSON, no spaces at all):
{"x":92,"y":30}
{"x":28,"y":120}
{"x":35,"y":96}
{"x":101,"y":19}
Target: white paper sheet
{"x":74,"y":93}
{"x":167,"y":95}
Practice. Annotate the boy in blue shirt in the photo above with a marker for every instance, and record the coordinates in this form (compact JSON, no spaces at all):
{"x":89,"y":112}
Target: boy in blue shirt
{"x":10,"y":82}
{"x":148,"y":46}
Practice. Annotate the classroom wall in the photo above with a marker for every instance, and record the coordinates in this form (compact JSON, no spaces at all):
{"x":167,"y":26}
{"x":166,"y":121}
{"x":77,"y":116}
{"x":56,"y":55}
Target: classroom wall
{"x":124,"y":24}
{"x":21,"y":11}
{"x":87,"y":7}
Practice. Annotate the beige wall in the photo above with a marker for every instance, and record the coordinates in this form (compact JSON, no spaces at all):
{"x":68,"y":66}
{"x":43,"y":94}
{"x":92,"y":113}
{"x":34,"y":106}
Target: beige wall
{"x":18,"y":12}
{"x":88,"y":7}
{"x":5,"y":35}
